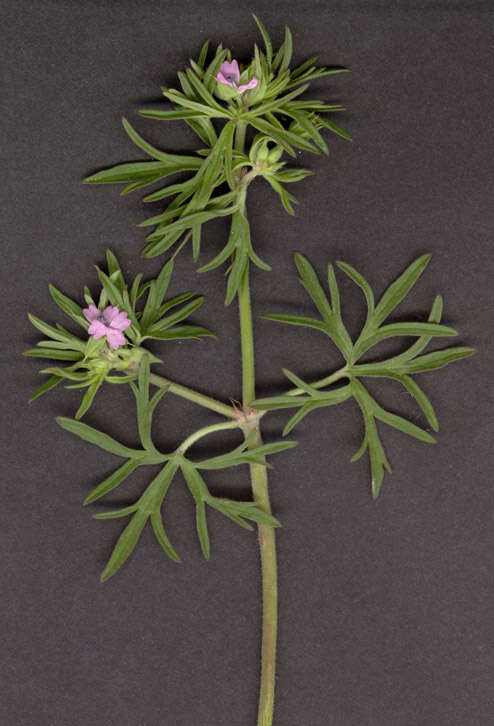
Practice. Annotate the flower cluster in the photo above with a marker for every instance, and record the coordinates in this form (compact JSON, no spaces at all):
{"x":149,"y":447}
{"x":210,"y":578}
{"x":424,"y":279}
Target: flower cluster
{"x":223,"y":101}
{"x":107,"y":354}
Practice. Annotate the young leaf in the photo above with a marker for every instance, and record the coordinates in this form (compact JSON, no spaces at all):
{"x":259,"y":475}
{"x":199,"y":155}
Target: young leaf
{"x":125,"y":545}
{"x":112,"y":481}
{"x":156,"y":293}
{"x":359,"y":280}
{"x":46,"y":386}
{"x":174,"y":161}
{"x":69,"y":307}
{"x":267,"y":40}
{"x":200,"y":493}
{"x":414,"y":390}
{"x":179,"y":332}
{"x":116,"y":513}
{"x":54,"y":354}
{"x":334,"y":128}
{"x":298,"y":320}
{"x":438,"y":359}
{"x":89,"y":396}
{"x":399,"y":289}
{"x":93,"y":436}
{"x":57,"y":333}
{"x":407,"y":427}
{"x":313,"y":287}
{"x":161,"y":536}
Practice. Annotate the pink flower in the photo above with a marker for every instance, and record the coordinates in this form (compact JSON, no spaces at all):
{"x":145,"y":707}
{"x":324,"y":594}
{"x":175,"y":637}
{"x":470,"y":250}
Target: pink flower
{"x":111,"y":322}
{"x":229,"y":75}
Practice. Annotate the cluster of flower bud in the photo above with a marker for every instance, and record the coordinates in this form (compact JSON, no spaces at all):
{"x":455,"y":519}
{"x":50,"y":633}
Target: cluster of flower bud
{"x":263,"y":159}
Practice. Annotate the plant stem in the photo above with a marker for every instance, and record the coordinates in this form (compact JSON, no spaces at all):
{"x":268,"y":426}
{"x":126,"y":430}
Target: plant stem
{"x":240,"y":135}
{"x":205,"y":431}
{"x":247,"y":341}
{"x":267,"y":541}
{"x":200,"y":398}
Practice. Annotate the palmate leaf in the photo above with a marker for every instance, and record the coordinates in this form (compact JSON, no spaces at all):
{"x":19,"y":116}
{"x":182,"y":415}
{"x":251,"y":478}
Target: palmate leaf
{"x":307,"y":397}
{"x":149,"y":504}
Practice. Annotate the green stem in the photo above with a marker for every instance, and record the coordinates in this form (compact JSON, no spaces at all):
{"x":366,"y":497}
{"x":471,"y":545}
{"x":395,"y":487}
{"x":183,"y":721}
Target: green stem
{"x":247,"y":341}
{"x":194,"y":396}
{"x":240,"y":135}
{"x":267,"y":543}
{"x":205,"y":431}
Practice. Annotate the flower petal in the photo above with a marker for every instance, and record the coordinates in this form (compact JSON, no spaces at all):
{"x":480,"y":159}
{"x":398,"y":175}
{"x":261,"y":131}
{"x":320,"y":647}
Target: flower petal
{"x":115,"y":338}
{"x":91,"y":313}
{"x":120,"y":321}
{"x":109,"y":313}
{"x":221,"y":79}
{"x":251,"y":84}
{"x":97,"y":329}
{"x":230,"y":71}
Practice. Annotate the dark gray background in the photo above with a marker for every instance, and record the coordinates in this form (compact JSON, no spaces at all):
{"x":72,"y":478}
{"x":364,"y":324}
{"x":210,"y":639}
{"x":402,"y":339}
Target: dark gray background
{"x":386,"y":615}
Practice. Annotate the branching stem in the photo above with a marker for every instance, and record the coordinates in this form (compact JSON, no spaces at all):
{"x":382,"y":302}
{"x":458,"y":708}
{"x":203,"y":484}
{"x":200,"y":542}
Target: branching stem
{"x":267,"y":541}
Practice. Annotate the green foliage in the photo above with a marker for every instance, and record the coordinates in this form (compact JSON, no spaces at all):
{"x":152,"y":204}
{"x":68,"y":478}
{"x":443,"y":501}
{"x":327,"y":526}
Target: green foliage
{"x":93,"y":362}
{"x":220,"y":171}
{"x":149,"y":505}
{"x":307,"y":397}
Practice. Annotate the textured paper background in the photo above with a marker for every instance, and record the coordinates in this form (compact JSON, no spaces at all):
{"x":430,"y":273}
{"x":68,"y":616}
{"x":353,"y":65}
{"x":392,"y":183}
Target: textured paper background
{"x":386,"y":615}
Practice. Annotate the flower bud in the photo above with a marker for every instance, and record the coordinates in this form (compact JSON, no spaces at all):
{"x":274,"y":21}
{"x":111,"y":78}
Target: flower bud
{"x":259,"y":150}
{"x":275,"y":154}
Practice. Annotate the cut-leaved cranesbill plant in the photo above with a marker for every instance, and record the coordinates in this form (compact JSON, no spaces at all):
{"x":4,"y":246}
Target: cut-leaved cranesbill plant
{"x":249,"y":119}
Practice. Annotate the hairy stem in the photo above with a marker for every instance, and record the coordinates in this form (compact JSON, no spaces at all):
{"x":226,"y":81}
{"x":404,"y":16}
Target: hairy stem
{"x":205,"y":431}
{"x":267,"y":541}
{"x":240,"y":135}
{"x":200,"y":398}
